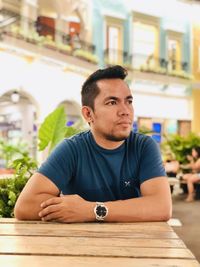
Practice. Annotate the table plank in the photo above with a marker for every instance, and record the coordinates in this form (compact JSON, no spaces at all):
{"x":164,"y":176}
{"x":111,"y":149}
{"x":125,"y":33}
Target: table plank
{"x":48,"y":261}
{"x":74,"y":247}
{"x":88,"y":230}
{"x":85,"y":241}
{"x":155,"y":226}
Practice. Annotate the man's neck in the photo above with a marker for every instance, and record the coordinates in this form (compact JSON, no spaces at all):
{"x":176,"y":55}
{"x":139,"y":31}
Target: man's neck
{"x":105,"y":143}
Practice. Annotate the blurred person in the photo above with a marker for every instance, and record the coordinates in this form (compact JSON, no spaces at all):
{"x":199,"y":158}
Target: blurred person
{"x":172,"y":167}
{"x":194,"y":176}
{"x":108,"y":173}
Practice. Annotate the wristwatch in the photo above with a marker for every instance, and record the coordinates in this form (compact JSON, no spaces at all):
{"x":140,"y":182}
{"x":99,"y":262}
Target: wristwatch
{"x":101,"y":211}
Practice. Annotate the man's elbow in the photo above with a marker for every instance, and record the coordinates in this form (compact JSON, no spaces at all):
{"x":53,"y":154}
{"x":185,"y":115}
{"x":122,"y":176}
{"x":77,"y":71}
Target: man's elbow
{"x":23,"y":212}
{"x":166,"y":212}
{"x":19,"y":213}
{"x":166,"y":216}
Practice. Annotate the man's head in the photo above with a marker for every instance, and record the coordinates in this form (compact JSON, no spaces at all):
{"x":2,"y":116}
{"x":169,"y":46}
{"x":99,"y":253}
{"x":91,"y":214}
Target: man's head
{"x":107,"y":106}
{"x":90,"y":88}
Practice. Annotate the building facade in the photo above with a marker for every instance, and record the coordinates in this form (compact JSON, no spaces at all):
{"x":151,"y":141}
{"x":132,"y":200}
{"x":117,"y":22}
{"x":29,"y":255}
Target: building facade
{"x":48,"y":48}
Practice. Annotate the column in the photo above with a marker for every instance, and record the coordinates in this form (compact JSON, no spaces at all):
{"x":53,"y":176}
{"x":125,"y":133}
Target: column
{"x":196,"y":110}
{"x":59,"y":29}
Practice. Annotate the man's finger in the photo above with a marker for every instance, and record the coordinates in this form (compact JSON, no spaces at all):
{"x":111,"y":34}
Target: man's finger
{"x":51,"y":201}
{"x":51,"y":217}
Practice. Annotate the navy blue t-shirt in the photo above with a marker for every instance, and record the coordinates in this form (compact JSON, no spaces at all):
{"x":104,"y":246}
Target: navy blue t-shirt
{"x":78,"y":165}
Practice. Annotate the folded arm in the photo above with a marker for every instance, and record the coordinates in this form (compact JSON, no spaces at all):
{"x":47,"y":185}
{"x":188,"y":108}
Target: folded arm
{"x":40,"y":199}
{"x":154,"y":205}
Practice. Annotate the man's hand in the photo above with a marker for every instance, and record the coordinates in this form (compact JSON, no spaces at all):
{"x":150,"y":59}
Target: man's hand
{"x":67,"y":208}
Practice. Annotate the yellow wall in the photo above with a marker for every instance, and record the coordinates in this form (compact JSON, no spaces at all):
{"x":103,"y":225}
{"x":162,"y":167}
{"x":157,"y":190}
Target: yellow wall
{"x":196,"y":74}
{"x":196,"y":110}
{"x":196,"y":48}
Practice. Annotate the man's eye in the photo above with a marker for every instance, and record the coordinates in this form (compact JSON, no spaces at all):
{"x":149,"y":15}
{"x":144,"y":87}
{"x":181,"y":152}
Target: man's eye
{"x":130,"y":101}
{"x":111,"y":103}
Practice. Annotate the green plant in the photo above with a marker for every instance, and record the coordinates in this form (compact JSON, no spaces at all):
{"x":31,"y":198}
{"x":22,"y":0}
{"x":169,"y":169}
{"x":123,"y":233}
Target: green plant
{"x":145,"y":130}
{"x":54,"y":129}
{"x":9,"y":151}
{"x":51,"y":131}
{"x":180,"y":146}
{"x":86,"y":55}
{"x":10,"y":188}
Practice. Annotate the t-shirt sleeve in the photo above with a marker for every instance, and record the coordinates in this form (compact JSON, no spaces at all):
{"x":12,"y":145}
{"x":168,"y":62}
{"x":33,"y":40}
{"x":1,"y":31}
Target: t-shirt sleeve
{"x":151,"y":164}
{"x":58,"y":167}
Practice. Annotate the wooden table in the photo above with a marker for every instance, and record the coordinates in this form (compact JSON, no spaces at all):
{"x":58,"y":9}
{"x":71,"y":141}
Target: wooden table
{"x":28,"y":244}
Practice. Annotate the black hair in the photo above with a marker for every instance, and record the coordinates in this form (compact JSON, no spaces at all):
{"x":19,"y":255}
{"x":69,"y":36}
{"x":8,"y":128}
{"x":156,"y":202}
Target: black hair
{"x":198,"y":151}
{"x":90,"y":89}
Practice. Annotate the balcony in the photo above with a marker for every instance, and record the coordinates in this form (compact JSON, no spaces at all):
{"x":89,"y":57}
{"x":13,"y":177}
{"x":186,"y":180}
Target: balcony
{"x":53,"y":43}
{"x":139,"y":64}
{"x":161,"y":66}
{"x":118,"y":57}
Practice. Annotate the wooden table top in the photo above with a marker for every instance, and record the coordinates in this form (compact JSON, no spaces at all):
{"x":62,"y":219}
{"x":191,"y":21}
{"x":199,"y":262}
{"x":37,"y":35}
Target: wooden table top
{"x":34,"y":243}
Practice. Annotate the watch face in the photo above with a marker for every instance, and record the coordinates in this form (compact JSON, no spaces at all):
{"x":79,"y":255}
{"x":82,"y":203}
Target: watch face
{"x":101,"y":211}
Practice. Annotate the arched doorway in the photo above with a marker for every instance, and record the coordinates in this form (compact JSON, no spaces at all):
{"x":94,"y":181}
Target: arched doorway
{"x":72,"y":110}
{"x":18,"y":117}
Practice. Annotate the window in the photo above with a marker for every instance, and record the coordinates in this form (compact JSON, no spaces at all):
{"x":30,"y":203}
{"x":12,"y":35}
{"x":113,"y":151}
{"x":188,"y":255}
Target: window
{"x":113,"y":41}
{"x":144,"y":44}
{"x":173,"y":55}
{"x":113,"y":44}
{"x":174,"y":44}
{"x":184,"y":127}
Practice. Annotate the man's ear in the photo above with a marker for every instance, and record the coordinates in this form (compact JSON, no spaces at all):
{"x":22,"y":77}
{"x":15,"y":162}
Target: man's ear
{"x":87,"y":114}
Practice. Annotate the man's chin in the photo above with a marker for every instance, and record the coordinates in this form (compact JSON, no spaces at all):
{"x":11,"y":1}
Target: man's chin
{"x":119,"y":137}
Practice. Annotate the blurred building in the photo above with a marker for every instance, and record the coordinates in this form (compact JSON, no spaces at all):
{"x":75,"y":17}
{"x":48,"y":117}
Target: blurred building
{"x":48,"y":48}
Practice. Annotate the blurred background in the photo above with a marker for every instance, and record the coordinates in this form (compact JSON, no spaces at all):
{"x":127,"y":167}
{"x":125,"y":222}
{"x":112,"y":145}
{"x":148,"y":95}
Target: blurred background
{"x":49,"y":47}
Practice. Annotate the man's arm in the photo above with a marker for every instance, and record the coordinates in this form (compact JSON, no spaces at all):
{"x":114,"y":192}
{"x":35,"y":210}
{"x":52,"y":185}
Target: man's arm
{"x":38,"y":189}
{"x":154,"y":205}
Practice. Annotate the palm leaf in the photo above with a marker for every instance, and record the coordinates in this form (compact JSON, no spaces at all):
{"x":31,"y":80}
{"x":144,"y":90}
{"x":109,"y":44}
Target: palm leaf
{"x":52,"y":130}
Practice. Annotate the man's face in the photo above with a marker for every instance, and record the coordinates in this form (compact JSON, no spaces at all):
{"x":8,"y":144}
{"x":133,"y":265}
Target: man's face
{"x":112,"y":118}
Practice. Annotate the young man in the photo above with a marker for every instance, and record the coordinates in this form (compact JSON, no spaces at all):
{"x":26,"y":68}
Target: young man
{"x":106,"y":174}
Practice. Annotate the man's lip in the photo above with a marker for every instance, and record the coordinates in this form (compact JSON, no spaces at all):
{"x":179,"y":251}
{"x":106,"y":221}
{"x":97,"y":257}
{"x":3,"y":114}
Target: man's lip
{"x":124,"y":122}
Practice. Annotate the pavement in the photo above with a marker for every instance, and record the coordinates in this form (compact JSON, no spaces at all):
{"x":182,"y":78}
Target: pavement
{"x":189,"y":216}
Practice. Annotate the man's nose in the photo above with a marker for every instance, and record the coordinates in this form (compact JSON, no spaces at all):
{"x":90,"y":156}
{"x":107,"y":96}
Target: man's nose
{"x":124,"y":110}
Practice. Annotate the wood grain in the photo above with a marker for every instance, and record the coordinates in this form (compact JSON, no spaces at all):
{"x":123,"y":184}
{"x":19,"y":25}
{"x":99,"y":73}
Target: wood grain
{"x":47,"y":244}
{"x":47,"y":261}
{"x":92,"y":230}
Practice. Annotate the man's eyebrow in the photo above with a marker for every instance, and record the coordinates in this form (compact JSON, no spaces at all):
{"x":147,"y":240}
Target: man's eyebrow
{"x":117,"y":98}
{"x":111,"y":97}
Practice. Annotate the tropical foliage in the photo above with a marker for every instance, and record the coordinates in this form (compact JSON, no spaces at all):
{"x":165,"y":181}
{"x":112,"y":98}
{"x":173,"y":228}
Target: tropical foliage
{"x":180,"y":146}
{"x":9,"y":151}
{"x":51,"y":132}
{"x":54,"y":129}
{"x":10,"y":188}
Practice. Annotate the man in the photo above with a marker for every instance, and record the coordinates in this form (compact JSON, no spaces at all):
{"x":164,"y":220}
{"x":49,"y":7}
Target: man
{"x":106,"y":174}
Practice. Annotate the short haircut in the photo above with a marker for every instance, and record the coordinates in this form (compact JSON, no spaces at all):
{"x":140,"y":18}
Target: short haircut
{"x":90,"y":90}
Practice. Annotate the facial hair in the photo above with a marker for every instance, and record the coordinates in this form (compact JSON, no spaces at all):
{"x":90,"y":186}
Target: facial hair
{"x":115,"y":138}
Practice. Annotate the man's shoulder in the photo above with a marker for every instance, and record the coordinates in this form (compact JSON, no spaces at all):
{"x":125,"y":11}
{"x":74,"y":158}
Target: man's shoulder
{"x":77,"y":139}
{"x":72,"y":145}
{"x":141,"y":142}
{"x":139,"y":137}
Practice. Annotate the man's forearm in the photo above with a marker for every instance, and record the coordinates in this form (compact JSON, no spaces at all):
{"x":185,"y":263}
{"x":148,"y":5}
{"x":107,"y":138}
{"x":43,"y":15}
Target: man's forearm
{"x":148,"y":208}
{"x":28,"y":209}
